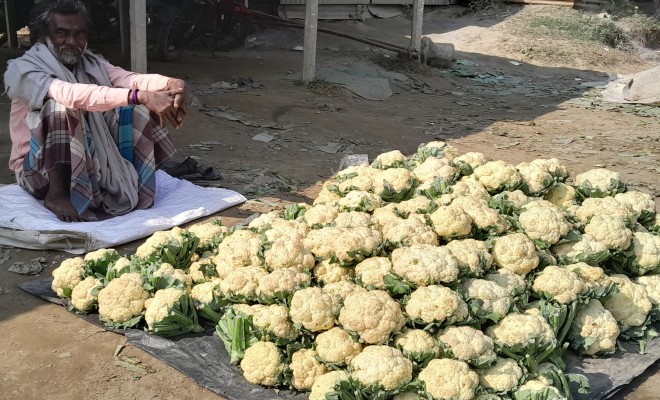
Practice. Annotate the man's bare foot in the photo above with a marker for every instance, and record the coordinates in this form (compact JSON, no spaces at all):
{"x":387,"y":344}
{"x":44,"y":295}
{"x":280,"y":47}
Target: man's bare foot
{"x":62,"y":208}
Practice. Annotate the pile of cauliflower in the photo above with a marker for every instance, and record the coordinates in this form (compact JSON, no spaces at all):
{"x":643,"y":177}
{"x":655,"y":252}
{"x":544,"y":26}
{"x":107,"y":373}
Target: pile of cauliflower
{"x":437,"y":275}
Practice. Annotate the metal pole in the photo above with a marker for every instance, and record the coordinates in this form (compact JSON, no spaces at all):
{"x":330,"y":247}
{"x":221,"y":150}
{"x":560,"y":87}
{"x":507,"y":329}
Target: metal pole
{"x":309,"y":51}
{"x":418,"y":20}
{"x":10,"y":20}
{"x":138,"y":36}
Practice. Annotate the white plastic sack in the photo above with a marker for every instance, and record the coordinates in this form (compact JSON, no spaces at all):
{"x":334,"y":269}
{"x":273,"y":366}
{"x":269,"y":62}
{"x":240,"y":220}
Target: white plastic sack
{"x":26,"y":223}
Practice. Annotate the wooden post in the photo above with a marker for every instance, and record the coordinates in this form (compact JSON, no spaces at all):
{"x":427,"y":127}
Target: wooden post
{"x":138,"y":36}
{"x":124,"y":27}
{"x":10,"y":21}
{"x":309,"y":50}
{"x":418,"y":21}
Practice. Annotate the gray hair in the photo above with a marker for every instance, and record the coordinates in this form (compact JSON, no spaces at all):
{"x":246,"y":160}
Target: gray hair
{"x":41,"y":13}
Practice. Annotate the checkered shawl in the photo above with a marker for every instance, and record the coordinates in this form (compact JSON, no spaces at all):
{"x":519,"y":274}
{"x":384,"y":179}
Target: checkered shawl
{"x":60,"y":134}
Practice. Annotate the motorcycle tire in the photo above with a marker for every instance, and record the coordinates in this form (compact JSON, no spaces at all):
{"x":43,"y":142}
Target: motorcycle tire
{"x":173,"y":37}
{"x":240,"y":30}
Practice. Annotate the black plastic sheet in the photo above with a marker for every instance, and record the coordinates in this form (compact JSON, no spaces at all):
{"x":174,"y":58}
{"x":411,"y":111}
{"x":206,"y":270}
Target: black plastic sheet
{"x":203,"y":358}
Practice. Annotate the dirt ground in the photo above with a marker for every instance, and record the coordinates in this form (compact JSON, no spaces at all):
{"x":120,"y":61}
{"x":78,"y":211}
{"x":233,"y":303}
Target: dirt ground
{"x":530,"y":99}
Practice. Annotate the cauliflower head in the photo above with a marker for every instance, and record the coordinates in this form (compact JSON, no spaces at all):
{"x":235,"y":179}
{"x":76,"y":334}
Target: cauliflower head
{"x":493,"y":298}
{"x":282,"y":282}
{"x":606,"y":206}
{"x":65,"y":277}
{"x":321,"y":215}
{"x":468,"y":186}
{"x":425,"y":264}
{"x":313,"y":309}
{"x":358,"y":200}
{"x":436,"y":149}
{"x":473,"y":256}
{"x":472,"y":158}
{"x":467,"y":344}
{"x":512,"y":282}
{"x":325,"y":384}
{"x":209,"y":234}
{"x":242,"y":282}
{"x":610,"y":231}
{"x":515,"y":252}
{"x":415,"y":205}
{"x":522,"y":330}
{"x":407,"y":232}
{"x":451,"y":222}
{"x":497,"y":176}
{"x":652,"y":285}
{"x":347,"y":245}
{"x":384,"y":366}
{"x":273,"y":320}
{"x":536,"y":180}
{"x":305,"y":368}
{"x":542,"y":220}
{"x":434,"y":167}
{"x":360,"y":182}
{"x":594,"y":330}
{"x":437,"y":304}
{"x":371,"y":272}
{"x":503,"y":376}
{"x":390,"y":159}
{"x":262,"y":364}
{"x":646,"y":250}
{"x":241,"y":249}
{"x":642,"y":204}
{"x":327,"y":196}
{"x":352,"y":219}
{"x":449,"y":379}
{"x":395,"y":184}
{"x":84,"y":294}
{"x":387,"y":214}
{"x":587,"y":249}
{"x":630,"y":305}
{"x":561,"y":284}
{"x":202,"y":270}
{"x":122,"y":299}
{"x":160,"y":306}
{"x":341,"y":290}
{"x":416,"y":344}
{"x":373,"y":315}
{"x":562,"y":195}
{"x":288,"y":253}
{"x":592,"y":277}
{"x":327,"y":271}
{"x":599,"y":182}
{"x":336,"y":346}
{"x":483,"y":217}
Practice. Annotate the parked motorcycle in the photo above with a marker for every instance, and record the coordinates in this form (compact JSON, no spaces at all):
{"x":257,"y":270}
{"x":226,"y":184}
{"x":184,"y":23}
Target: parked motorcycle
{"x":216,"y":24}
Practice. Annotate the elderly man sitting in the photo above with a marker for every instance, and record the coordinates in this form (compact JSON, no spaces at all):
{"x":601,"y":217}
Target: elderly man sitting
{"x":87,"y":136}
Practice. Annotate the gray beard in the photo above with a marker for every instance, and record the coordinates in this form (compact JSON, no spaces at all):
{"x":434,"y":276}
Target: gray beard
{"x":66,"y":56}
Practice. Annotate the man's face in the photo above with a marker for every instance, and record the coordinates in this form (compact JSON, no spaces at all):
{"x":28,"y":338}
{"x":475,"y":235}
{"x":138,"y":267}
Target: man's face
{"x":67,"y":37}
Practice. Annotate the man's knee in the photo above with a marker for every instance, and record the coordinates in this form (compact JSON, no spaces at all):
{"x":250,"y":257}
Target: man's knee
{"x":52,"y":107}
{"x":56,"y":118}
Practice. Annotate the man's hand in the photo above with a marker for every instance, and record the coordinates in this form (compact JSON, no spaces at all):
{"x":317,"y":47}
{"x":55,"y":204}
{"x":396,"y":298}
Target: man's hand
{"x":161,"y":103}
{"x":177,"y":89}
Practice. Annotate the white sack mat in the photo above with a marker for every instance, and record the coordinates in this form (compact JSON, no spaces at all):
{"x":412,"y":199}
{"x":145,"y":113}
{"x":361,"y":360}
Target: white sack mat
{"x":26,"y":223}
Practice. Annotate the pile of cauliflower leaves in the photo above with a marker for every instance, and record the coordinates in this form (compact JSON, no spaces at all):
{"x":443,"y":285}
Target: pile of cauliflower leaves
{"x":431,"y":276}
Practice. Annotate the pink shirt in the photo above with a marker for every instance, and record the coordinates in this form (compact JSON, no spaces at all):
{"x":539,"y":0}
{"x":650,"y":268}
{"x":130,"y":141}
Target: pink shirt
{"x":78,"y":96}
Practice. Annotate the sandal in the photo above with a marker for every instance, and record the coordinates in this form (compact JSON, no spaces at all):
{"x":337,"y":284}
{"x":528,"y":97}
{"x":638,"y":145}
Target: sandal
{"x":179,"y":169}
{"x":189,"y":170}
